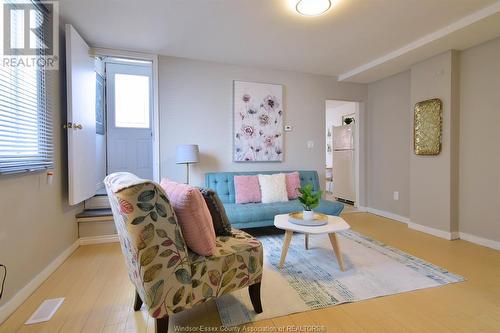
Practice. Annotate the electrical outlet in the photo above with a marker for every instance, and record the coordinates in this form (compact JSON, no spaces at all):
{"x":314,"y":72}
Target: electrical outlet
{"x":395,"y":195}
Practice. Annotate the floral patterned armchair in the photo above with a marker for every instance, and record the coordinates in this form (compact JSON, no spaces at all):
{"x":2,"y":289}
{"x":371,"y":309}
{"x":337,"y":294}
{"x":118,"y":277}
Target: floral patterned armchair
{"x":168,"y":277}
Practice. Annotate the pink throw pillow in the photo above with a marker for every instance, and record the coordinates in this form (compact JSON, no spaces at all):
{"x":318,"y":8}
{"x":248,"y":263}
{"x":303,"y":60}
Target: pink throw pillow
{"x":193,"y":216}
{"x":247,"y":189}
{"x":292,"y":185}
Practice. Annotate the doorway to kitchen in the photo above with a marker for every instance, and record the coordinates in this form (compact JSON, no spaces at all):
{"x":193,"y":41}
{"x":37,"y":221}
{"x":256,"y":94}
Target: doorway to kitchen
{"x":342,"y":151}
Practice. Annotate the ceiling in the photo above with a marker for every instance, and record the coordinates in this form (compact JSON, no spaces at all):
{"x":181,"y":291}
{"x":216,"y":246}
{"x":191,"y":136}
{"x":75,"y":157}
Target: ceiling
{"x":357,"y":40}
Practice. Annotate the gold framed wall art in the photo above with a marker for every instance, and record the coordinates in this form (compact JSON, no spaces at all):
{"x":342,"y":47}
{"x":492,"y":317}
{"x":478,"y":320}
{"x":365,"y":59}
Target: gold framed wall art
{"x":428,"y":123}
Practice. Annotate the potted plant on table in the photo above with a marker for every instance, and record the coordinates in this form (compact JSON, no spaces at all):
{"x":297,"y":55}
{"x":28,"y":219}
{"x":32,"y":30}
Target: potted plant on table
{"x":309,"y":200}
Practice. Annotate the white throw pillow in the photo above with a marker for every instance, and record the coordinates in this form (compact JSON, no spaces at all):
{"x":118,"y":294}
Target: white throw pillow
{"x":273,"y":188}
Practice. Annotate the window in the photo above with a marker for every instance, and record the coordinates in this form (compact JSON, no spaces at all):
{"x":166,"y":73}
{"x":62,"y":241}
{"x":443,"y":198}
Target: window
{"x":25,"y":121}
{"x":131,"y":101}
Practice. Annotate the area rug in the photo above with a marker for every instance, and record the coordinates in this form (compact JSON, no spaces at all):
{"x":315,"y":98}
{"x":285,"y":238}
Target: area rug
{"x":311,"y":279}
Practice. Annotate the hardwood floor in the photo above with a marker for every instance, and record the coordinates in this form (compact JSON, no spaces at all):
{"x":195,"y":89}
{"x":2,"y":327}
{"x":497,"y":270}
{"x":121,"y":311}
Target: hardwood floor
{"x":99,"y":296}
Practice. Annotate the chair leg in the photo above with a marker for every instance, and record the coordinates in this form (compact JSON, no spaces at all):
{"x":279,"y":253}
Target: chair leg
{"x":254,"y":291}
{"x":137,"y":302}
{"x":161,"y":325}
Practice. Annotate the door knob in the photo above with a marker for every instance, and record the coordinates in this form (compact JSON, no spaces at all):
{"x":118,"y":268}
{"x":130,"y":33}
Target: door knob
{"x":77,"y":126}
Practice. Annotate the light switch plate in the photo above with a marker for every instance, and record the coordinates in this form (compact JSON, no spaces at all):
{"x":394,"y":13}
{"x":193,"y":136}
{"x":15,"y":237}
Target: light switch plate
{"x":310,"y":144}
{"x":396,"y":195}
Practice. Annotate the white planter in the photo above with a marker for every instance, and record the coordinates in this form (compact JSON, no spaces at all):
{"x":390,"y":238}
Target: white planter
{"x":308,"y":214}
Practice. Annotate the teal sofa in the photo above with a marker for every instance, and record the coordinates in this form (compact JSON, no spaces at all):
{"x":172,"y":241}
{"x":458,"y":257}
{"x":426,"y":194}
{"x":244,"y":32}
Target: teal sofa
{"x":253,"y":215}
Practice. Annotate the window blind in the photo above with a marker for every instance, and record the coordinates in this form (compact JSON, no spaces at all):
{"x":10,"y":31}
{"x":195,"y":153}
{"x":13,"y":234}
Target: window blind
{"x":25,"y":118}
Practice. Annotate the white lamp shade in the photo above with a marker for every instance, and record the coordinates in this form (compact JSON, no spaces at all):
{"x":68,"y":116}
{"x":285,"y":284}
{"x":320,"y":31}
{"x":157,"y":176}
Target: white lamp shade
{"x":187,"y":154}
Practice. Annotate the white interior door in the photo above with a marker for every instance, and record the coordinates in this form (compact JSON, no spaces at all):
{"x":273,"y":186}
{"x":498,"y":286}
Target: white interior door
{"x":130,"y":118}
{"x":80,"y":81}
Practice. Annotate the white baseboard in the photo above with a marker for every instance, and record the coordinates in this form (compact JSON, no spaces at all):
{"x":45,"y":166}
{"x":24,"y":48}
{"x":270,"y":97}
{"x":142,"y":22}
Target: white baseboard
{"x":433,"y":231}
{"x":428,"y":230}
{"x":99,"y":239}
{"x":8,"y":308}
{"x":388,"y":215}
{"x":480,"y":241}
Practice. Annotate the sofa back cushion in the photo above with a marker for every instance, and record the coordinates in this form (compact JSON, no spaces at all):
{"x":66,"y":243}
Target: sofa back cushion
{"x":193,"y":216}
{"x":223,"y":182}
{"x":273,"y":188}
{"x":292,"y":185}
{"x":247,"y":189}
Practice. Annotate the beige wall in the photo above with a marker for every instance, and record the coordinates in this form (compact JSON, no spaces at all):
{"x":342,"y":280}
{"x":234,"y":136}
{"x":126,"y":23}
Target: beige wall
{"x":36,"y":223}
{"x":432,"y":178}
{"x":196,"y":107}
{"x":388,"y":134}
{"x":479,"y":141}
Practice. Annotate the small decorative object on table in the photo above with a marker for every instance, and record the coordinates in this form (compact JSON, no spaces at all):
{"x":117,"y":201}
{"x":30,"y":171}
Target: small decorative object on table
{"x":317,"y":220}
{"x":309,"y":200}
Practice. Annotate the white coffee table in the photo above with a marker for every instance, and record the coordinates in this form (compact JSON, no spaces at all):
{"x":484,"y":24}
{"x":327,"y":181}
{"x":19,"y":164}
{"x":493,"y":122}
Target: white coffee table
{"x":335,"y":224}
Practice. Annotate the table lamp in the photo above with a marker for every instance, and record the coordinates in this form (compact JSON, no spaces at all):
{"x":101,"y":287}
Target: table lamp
{"x":187,"y":154}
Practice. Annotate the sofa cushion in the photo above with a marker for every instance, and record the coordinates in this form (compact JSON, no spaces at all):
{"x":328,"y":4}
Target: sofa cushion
{"x":273,"y":188}
{"x":217,"y":211}
{"x":193,"y":216}
{"x":247,"y":189}
{"x":240,"y":214}
{"x":292,"y":185}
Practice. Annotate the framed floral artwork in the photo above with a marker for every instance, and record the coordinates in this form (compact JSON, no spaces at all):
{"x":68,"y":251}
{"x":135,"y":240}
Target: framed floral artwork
{"x":257,"y":122}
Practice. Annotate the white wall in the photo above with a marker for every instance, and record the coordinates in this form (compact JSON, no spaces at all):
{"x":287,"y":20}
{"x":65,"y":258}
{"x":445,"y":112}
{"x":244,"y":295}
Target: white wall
{"x":37,"y":224}
{"x":388,"y":135}
{"x":479,"y":212}
{"x":196,"y":107}
{"x":433,"y":179}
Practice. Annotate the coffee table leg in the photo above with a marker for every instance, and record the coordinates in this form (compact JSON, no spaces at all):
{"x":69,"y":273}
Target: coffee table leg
{"x":307,"y":241}
{"x":286,"y":243}
{"x":336,"y":249}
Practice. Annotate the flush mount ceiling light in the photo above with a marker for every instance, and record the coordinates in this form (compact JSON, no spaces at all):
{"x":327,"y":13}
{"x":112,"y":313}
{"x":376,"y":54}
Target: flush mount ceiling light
{"x":312,"y":7}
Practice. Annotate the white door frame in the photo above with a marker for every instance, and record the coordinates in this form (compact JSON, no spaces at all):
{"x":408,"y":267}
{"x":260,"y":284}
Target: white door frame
{"x":103,"y":52}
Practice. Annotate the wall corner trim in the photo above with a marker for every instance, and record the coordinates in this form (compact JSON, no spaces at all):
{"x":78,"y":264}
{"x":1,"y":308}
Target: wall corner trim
{"x":480,"y":240}
{"x":8,"y":308}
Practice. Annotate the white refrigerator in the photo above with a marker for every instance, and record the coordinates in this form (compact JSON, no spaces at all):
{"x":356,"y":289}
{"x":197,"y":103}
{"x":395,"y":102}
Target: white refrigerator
{"x":343,"y":163}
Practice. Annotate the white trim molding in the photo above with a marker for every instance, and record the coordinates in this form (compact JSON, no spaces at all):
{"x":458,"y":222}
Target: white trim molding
{"x":388,"y":215}
{"x":422,"y":228}
{"x":433,"y":231}
{"x":480,"y":240}
{"x":8,"y":308}
{"x":99,"y":239}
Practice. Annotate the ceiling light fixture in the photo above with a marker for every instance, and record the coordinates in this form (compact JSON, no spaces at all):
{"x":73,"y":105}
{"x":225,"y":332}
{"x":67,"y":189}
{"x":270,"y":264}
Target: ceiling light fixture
{"x":313,"y":7}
